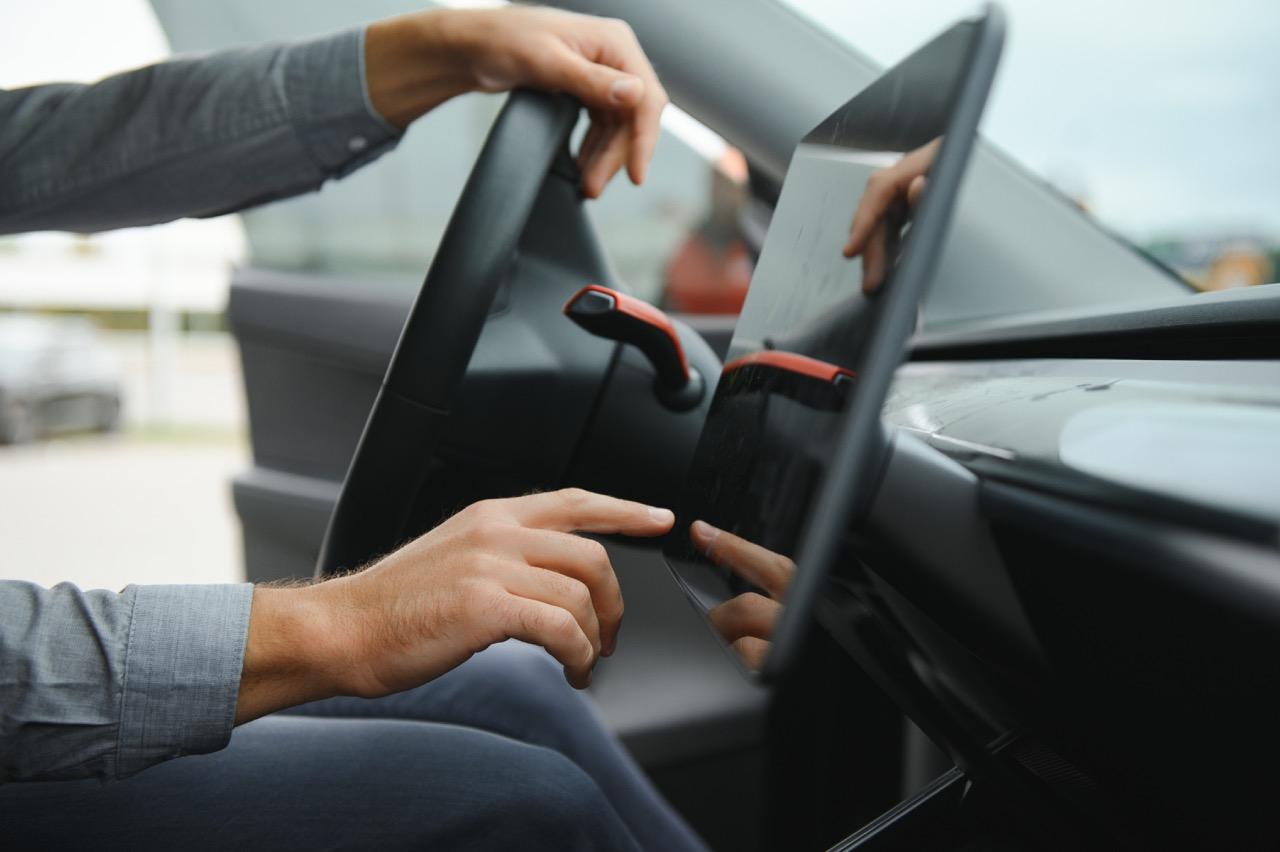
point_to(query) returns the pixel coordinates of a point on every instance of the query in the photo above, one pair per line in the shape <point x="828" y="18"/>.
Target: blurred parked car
<point x="55" y="376"/>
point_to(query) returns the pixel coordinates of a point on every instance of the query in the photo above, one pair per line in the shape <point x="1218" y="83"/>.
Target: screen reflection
<point x="793" y="364"/>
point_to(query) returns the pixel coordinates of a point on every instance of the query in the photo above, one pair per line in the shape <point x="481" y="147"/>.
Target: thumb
<point x="597" y="86"/>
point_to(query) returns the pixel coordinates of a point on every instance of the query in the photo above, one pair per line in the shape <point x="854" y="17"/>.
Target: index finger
<point x="755" y="564"/>
<point x="882" y="188"/>
<point x="584" y="560"/>
<point x="577" y="510"/>
<point x="646" y="129"/>
<point x="646" y="115"/>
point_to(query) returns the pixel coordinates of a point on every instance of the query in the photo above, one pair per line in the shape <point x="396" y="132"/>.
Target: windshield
<point x="1156" y="119"/>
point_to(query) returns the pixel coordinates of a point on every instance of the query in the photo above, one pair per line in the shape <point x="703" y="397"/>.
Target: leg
<point x="518" y="691"/>
<point x="310" y="783"/>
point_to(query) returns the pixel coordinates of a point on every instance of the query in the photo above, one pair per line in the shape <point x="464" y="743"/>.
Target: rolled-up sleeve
<point x="194" y="136"/>
<point x="105" y="684"/>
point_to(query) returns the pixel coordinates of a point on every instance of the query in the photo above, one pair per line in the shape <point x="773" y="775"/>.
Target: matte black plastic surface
<point x="1242" y="323"/>
<point x="428" y="366"/>
<point x="478" y="247"/>
<point x="636" y="446"/>
<point x="1161" y="689"/>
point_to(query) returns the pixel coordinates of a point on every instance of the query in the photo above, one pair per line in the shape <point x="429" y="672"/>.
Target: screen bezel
<point x="863" y="443"/>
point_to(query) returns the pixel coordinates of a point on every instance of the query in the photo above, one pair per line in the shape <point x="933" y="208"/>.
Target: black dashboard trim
<point x="1229" y="324"/>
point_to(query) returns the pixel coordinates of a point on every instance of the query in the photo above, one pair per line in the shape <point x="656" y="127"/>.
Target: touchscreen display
<point x="793" y="366"/>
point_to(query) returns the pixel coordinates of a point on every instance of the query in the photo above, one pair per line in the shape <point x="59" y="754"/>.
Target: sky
<point x="1163" y="115"/>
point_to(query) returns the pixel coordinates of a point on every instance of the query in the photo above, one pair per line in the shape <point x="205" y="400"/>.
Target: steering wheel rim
<point x="440" y="334"/>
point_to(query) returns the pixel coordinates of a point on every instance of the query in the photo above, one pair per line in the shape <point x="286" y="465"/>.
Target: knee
<point x="523" y="664"/>
<point x="553" y="804"/>
<point x="526" y="678"/>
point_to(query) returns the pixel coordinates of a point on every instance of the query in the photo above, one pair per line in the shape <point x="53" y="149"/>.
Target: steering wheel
<point x="426" y="371"/>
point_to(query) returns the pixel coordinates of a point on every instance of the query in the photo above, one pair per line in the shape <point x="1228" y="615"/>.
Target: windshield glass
<point x="1157" y="119"/>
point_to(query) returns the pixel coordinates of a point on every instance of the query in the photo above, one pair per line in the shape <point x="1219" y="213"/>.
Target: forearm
<point x="215" y="134"/>
<point x="415" y="62"/>
<point x="190" y="137"/>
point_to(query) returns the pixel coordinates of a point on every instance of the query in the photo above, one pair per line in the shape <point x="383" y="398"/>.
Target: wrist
<point x="416" y="62"/>
<point x="292" y="654"/>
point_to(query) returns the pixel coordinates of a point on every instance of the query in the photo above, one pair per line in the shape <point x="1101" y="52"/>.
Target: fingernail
<point x="706" y="532"/>
<point x="662" y="516"/>
<point x="624" y="90"/>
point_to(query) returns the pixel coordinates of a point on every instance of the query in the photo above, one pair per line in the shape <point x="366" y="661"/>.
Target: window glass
<point x="1156" y="118"/>
<point x="383" y="223"/>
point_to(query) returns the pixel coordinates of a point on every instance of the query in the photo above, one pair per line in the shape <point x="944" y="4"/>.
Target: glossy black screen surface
<point x="804" y="346"/>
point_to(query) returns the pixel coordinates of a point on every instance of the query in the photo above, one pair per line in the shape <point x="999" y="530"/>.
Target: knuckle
<point x="579" y="594"/>
<point x="486" y="530"/>
<point x="484" y="596"/>
<point x="558" y="585"/>
<point x="529" y="57"/>
<point x="595" y="553"/>
<point x="563" y="625"/>
<point x="574" y="496"/>
<point x="480" y="509"/>
<point x="528" y="621"/>
<point x="486" y="608"/>
<point x="553" y="627"/>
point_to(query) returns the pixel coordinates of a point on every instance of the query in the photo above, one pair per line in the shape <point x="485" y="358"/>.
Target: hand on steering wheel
<point x="415" y="62"/>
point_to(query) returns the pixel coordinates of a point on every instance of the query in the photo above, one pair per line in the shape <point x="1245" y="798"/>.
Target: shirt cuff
<point x="182" y="670"/>
<point x="328" y="101"/>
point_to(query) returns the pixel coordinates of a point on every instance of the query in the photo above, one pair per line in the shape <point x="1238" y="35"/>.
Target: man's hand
<point x="415" y="62"/>
<point x="499" y="569"/>
<point x="746" y="621"/>
<point x="887" y="188"/>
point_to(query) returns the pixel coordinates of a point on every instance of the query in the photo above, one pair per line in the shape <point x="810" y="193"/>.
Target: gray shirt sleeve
<point x="195" y="136"/>
<point x="105" y="684"/>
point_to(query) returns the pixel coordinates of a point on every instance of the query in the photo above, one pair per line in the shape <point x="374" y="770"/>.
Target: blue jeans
<point x="499" y="753"/>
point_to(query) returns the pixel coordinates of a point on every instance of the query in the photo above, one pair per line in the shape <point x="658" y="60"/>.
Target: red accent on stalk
<point x="639" y="310"/>
<point x="791" y="363"/>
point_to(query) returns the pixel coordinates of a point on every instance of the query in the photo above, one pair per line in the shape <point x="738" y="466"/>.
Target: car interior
<point x="1040" y="614"/>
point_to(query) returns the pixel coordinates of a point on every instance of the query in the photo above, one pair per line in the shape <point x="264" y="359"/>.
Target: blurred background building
<point x="1221" y="262"/>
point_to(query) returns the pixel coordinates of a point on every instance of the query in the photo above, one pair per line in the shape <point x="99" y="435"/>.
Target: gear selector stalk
<point x="617" y="316"/>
